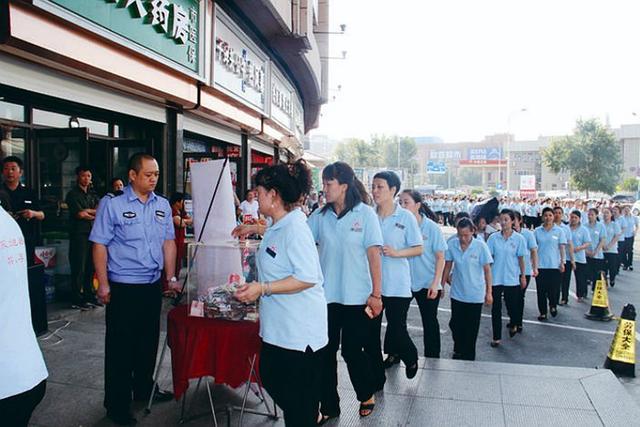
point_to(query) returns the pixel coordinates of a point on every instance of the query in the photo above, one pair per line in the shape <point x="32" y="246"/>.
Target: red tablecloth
<point x="210" y="347"/>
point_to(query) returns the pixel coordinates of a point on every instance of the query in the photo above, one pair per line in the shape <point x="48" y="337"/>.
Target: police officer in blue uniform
<point x="133" y="240"/>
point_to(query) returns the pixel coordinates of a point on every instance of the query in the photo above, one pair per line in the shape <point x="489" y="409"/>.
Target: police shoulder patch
<point x="129" y="214"/>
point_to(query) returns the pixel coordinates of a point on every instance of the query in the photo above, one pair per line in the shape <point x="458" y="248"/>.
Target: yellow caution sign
<point x="623" y="347"/>
<point x="600" y="295"/>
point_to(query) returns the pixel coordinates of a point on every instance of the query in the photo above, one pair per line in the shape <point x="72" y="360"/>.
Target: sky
<point x="464" y="69"/>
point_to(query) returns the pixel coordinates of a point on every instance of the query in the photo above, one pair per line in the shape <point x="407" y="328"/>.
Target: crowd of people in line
<point x="329" y="267"/>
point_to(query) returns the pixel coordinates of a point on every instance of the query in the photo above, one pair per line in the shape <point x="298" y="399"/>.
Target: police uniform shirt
<point x="549" y="246"/>
<point x="531" y="243"/>
<point x="292" y="321"/>
<point x="399" y="231"/>
<point x="423" y="267"/>
<point x="24" y="198"/>
<point x="134" y="234"/>
<point x="579" y="237"/>
<point x="77" y="200"/>
<point x="505" y="269"/>
<point x="597" y="233"/>
<point x="468" y="281"/>
<point x="611" y="230"/>
<point x="342" y="246"/>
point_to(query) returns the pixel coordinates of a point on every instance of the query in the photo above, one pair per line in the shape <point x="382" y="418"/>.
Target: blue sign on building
<point x="436" y="167"/>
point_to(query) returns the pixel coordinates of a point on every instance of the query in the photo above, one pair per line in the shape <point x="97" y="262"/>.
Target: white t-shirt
<point x="250" y="208"/>
<point x="21" y="364"/>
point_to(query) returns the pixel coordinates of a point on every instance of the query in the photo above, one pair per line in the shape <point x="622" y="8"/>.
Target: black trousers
<point x="15" y="411"/>
<point x="611" y="266"/>
<point x="595" y="267"/>
<point x="430" y="326"/>
<point x="512" y="300"/>
<point x="565" y="280"/>
<point x="293" y="380"/>
<point x="349" y="328"/>
<point x="131" y="344"/>
<point x="529" y="222"/>
<point x="396" y="339"/>
<point x="628" y="252"/>
<point x="464" y="324"/>
<point x="373" y="348"/>
<point x="81" y="264"/>
<point x="581" y="275"/>
<point x="548" y="288"/>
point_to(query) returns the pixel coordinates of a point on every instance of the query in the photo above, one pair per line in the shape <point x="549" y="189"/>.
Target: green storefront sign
<point x="167" y="30"/>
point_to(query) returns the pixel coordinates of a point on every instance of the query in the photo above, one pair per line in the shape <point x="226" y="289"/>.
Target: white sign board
<point x="527" y="182"/>
<point x="240" y="68"/>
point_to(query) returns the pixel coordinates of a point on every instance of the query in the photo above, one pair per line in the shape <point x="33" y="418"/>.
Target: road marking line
<point x="531" y="322"/>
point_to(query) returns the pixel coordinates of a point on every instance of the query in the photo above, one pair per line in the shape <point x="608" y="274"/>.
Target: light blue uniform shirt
<point x="530" y="239"/>
<point x="611" y="229"/>
<point x="134" y="234"/>
<point x="399" y="231"/>
<point x="342" y="244"/>
<point x="467" y="282"/>
<point x="505" y="252"/>
<point x="549" y="246"/>
<point x="597" y="232"/>
<point x="631" y="223"/>
<point x="622" y="223"/>
<point x="292" y="321"/>
<point x="579" y="237"/>
<point x="423" y="267"/>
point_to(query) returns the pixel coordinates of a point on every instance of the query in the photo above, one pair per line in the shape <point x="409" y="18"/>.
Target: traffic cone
<point x="622" y="353"/>
<point x="600" y="302"/>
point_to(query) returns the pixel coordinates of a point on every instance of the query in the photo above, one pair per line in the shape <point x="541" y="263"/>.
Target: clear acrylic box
<point x="214" y="272"/>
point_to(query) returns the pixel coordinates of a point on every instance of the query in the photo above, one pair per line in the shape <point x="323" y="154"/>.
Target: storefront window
<point x="11" y="111"/>
<point x="12" y="142"/>
<point x="56" y="120"/>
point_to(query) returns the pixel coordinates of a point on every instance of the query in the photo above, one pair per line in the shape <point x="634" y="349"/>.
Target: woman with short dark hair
<point x="468" y="261"/>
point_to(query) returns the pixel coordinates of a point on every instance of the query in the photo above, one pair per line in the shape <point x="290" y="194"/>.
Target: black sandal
<point x="366" y="407"/>
<point x="542" y="317"/>
<point x="513" y="331"/>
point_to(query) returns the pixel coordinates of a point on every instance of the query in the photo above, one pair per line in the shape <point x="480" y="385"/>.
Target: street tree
<point x="357" y="152"/>
<point x="591" y="156"/>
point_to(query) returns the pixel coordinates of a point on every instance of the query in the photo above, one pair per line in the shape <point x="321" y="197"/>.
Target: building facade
<point x="93" y="82"/>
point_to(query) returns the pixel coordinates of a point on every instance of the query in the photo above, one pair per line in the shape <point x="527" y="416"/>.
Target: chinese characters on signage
<point x="238" y="62"/>
<point x="281" y="95"/>
<point x="169" y="18"/>
<point x="445" y="154"/>
<point x="240" y="68"/>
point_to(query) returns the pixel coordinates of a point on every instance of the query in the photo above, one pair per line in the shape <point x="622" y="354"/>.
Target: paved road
<point x="567" y="340"/>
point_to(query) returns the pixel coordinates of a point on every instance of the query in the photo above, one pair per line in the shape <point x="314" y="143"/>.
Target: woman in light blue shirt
<point x="530" y="261"/>
<point x="595" y="257"/>
<point x="629" y="238"/>
<point x="347" y="233"/>
<point x="426" y="271"/>
<point x="470" y="261"/>
<point x="611" y="256"/>
<point x="507" y="249"/>
<point x="402" y="240"/>
<point x="581" y="242"/>
<point x="551" y="241"/>
<point x="293" y="309"/>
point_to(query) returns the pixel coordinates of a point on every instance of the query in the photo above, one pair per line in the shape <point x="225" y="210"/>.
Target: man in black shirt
<point x="82" y="203"/>
<point x="24" y="204"/>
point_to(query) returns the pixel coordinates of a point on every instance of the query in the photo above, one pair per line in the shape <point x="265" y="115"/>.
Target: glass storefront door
<point x="59" y="152"/>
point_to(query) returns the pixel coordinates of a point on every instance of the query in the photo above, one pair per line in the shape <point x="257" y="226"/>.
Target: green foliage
<point x="629" y="185"/>
<point x="476" y="191"/>
<point x="381" y="151"/>
<point x="470" y="176"/>
<point x="494" y="193"/>
<point x="591" y="156"/>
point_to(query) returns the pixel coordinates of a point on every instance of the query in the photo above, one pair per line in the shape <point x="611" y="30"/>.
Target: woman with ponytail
<point x="293" y="309"/>
<point x="349" y="238"/>
<point x="426" y="270"/>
